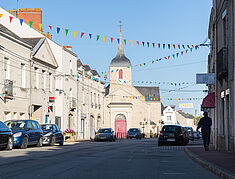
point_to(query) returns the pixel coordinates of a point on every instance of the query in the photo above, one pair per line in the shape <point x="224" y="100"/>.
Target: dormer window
<point x="120" y="74"/>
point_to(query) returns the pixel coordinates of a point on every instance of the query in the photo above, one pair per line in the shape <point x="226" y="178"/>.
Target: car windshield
<point x="133" y="130"/>
<point x="16" y="124"/>
<point x="170" y="129"/>
<point x="104" y="131"/>
<point x="47" y="127"/>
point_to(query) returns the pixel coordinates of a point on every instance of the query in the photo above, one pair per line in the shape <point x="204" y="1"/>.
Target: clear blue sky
<point x="168" y="21"/>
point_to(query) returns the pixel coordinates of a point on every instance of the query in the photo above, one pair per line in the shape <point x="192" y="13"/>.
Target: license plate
<point x="171" y="140"/>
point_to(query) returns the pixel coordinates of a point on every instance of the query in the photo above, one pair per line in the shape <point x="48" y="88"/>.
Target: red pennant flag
<point x="174" y="45"/>
<point x="138" y="42"/>
<point x="111" y="39"/>
<point x="50" y="27"/>
<point x="179" y="46"/>
<point x="153" y="45"/>
<point x="82" y="34"/>
<point x="165" y="58"/>
<point x="159" y="45"/>
<point x="10" y="18"/>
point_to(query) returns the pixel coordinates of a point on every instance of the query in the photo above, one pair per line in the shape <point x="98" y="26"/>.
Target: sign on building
<point x="205" y="78"/>
<point x="185" y="105"/>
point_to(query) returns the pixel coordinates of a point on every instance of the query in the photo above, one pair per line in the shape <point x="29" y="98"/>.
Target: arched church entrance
<point x="120" y="125"/>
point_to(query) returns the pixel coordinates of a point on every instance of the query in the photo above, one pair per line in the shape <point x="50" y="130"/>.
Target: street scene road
<point x="121" y="159"/>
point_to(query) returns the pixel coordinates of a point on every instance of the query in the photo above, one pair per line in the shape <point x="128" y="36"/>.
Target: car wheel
<point x="24" y="143"/>
<point x="52" y="141"/>
<point x="10" y="143"/>
<point x="62" y="142"/>
<point x="39" y="142"/>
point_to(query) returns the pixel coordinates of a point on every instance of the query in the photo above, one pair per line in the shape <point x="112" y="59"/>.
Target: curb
<point x="209" y="166"/>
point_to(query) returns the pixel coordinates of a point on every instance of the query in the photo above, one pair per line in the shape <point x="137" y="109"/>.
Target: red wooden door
<point x="120" y="128"/>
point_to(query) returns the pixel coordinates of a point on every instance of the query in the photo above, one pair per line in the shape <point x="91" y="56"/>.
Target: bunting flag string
<point x="154" y="97"/>
<point x="144" y="44"/>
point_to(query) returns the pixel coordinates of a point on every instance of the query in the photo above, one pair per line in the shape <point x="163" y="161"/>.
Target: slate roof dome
<point x="120" y="60"/>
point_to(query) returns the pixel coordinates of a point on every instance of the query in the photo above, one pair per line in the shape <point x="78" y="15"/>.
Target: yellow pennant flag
<point x="131" y="42"/>
<point x="87" y="78"/>
<point x="1" y="15"/>
<point x="40" y="27"/>
<point x="74" y="33"/>
<point x="169" y="57"/>
<point x="140" y="64"/>
<point x="187" y="51"/>
<point x="104" y="38"/>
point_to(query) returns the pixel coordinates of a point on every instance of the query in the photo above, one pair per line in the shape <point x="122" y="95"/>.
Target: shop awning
<point x="209" y="101"/>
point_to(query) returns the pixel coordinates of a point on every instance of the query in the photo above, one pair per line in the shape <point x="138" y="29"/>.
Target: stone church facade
<point x="127" y="106"/>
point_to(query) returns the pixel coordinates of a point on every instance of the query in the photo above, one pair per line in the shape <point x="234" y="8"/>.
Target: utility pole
<point x="17" y="9"/>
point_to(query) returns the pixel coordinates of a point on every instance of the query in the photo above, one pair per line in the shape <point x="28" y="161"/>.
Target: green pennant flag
<point x="30" y="23"/>
<point x="153" y="61"/>
<point x="125" y="42"/>
<point x="169" y="46"/>
<point x="128" y="66"/>
<point x="144" y="63"/>
<point x="66" y="31"/>
<point x="173" y="55"/>
<point x="191" y="49"/>
<point x="98" y="36"/>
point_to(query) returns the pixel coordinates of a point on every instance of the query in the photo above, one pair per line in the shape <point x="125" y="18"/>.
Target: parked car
<point x="106" y="134"/>
<point x="52" y="134"/>
<point x="196" y="135"/>
<point x="25" y="132"/>
<point x="190" y="131"/>
<point x="6" y="137"/>
<point x="134" y="133"/>
<point x="173" y="134"/>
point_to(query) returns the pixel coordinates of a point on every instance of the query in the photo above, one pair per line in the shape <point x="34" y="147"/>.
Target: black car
<point x="173" y="134"/>
<point x="52" y="134"/>
<point x="134" y="133"/>
<point x="6" y="137"/>
<point x="106" y="134"/>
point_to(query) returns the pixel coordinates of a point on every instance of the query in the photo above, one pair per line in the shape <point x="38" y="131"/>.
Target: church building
<point x="127" y="106"/>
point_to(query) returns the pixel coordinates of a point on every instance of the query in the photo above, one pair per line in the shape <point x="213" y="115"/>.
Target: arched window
<point x="120" y="74"/>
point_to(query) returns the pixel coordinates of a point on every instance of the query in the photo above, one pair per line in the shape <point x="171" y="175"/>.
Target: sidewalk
<point x="220" y="163"/>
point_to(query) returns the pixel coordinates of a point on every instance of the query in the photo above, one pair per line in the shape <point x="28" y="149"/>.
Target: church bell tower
<point x="120" y="68"/>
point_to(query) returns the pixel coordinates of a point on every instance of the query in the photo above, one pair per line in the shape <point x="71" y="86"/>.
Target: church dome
<point x="120" y="60"/>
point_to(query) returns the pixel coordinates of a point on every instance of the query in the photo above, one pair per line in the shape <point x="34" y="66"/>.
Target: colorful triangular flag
<point x="98" y="36"/>
<point x="90" y="35"/>
<point x="30" y="23"/>
<point x="82" y="34"/>
<point x="66" y="31"/>
<point x="21" y="21"/>
<point x="10" y="18"/>
<point x="74" y="33"/>
<point x="58" y="30"/>
<point x="111" y="39"/>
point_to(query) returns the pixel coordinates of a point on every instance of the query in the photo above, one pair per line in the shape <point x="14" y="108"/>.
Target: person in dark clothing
<point x="205" y="125"/>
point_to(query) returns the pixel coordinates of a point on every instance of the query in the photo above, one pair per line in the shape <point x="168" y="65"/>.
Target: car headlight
<point x="48" y="134"/>
<point x="18" y="134"/>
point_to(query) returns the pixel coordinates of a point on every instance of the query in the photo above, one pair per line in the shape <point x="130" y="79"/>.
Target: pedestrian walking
<point x="205" y="125"/>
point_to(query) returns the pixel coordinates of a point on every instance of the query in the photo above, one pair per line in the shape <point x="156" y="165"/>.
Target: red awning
<point x="209" y="101"/>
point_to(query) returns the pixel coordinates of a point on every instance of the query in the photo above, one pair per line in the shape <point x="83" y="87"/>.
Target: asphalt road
<point x="138" y="159"/>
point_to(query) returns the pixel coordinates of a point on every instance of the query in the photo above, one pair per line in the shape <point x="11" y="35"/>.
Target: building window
<point x="6" y="68"/>
<point x="23" y="76"/>
<point x="222" y="117"/>
<point x="71" y="67"/>
<point x="168" y="118"/>
<point x="95" y="98"/>
<point x="224" y="30"/>
<point x="36" y="77"/>
<point x="83" y="96"/>
<point x="91" y="100"/>
<point x="98" y="98"/>
<point x="50" y="82"/>
<point x="44" y="78"/>
<point x="120" y="74"/>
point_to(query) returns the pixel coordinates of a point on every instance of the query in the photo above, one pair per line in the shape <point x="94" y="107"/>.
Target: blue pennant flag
<point x="177" y="54"/>
<point x="58" y="30"/>
<point x="118" y="40"/>
<point x="90" y="35"/>
<point x="143" y="44"/>
<point x="21" y="21"/>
